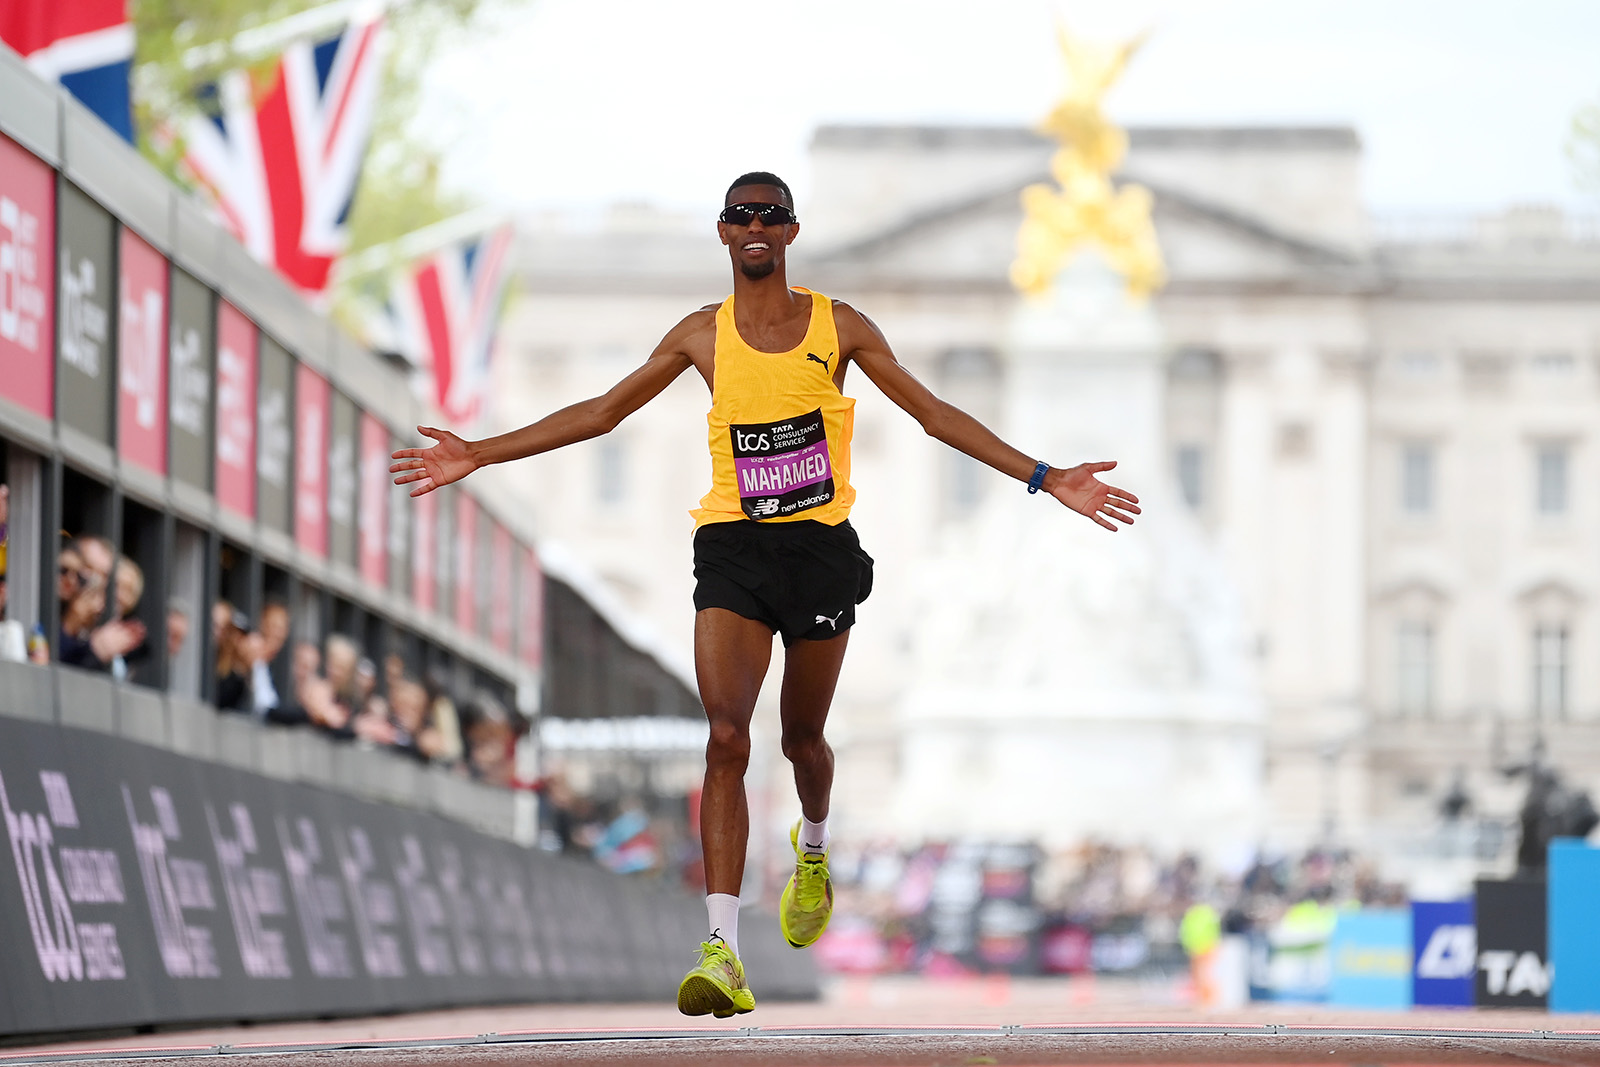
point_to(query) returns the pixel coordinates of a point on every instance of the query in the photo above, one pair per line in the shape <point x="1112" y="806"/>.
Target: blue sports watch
<point x="1037" y="481"/>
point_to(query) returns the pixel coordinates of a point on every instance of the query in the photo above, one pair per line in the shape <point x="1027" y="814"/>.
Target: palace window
<point x="1190" y="462"/>
<point x="1414" y="663"/>
<point x="1551" y="462"/>
<point x="966" y="482"/>
<point x="1554" y="364"/>
<point x="1551" y="648"/>
<point x="1418" y="364"/>
<point x="970" y="379"/>
<point x="611" y="487"/>
<point x="1416" y="478"/>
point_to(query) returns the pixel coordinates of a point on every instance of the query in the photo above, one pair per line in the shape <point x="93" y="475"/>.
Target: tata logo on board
<point x="1512" y="974"/>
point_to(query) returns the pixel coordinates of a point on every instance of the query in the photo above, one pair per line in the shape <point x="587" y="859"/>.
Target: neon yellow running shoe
<point x="807" y="901"/>
<point x="716" y="986"/>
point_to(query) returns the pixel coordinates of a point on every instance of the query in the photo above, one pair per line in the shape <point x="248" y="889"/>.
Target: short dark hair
<point x="761" y="177"/>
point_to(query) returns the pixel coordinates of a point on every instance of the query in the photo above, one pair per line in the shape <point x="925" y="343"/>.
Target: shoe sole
<point x="807" y="944"/>
<point x="700" y="995"/>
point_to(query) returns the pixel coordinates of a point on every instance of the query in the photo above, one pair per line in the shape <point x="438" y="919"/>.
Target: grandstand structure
<point x="164" y="391"/>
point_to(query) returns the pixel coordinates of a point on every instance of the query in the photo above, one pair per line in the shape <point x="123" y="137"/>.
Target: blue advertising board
<point x="1371" y="959"/>
<point x="1445" y="938"/>
<point x="1574" y="926"/>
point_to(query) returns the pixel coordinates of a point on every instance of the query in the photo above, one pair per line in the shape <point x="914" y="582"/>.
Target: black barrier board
<point x="1513" y="961"/>
<point x="142" y="887"/>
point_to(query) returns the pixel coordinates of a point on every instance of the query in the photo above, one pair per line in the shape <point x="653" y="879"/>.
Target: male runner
<point x="773" y="550"/>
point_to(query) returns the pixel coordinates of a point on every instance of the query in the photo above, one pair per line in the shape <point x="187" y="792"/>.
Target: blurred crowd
<point x="1096" y="907"/>
<point x="633" y="833"/>
<point x="337" y="689"/>
<point x="334" y="687"/>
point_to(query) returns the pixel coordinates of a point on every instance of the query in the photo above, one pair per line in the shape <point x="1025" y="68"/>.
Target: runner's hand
<point x="443" y="463"/>
<point x="1079" y="489"/>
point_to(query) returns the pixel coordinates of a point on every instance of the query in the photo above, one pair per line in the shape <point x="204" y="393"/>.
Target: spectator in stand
<point x="99" y="556"/>
<point x="231" y="629"/>
<point x="394" y="672"/>
<point x="290" y="709"/>
<point x="373" y="721"/>
<point x="70" y="571"/>
<point x="97" y="553"/>
<point x="71" y="577"/>
<point x="317" y="697"/>
<point x="130" y="590"/>
<point x="442" y="713"/>
<point x="69" y="574"/>
<point x="82" y="559"/>
<point x="571" y="818"/>
<point x="408" y="718"/>
<point x="274" y="629"/>
<point x="491" y="740"/>
<point x="367" y="697"/>
<point x="177" y="626"/>
<point x="340" y="656"/>
<point x="130" y="586"/>
<point x="270" y="637"/>
<point x="79" y="612"/>
<point x="415" y="732"/>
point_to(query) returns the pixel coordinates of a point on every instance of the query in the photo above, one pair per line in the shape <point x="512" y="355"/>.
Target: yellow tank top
<point x="779" y="429"/>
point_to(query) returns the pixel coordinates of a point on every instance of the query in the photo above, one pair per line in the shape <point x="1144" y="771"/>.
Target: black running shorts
<point x="802" y="579"/>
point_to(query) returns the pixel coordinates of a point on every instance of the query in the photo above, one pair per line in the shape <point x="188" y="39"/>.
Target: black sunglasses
<point x="770" y="214"/>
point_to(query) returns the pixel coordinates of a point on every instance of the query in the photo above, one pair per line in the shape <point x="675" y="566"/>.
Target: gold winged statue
<point x="1087" y="208"/>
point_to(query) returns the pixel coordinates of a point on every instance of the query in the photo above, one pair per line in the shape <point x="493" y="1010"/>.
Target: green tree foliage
<point x="185" y="44"/>
<point x="1583" y="146"/>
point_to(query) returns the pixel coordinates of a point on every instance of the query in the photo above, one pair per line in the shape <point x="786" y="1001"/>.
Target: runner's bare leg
<point x="810" y="673"/>
<point x="731" y="656"/>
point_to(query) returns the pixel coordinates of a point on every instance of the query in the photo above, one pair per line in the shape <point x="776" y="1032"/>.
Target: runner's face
<point x="756" y="248"/>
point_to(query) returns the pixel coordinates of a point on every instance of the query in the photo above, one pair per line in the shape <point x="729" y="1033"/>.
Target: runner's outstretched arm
<point x="1076" y="487"/>
<point x="453" y="458"/>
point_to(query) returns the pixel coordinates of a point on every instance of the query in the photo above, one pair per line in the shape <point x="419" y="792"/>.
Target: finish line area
<point x="842" y="1046"/>
<point x="869" y="1022"/>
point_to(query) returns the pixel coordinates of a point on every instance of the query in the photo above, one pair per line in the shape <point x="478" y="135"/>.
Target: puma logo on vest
<point x="819" y="359"/>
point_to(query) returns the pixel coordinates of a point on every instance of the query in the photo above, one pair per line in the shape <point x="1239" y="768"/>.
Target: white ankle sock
<point x="723" y="911"/>
<point x="813" y="835"/>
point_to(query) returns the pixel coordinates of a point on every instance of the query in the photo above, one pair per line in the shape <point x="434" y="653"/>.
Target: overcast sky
<point x="574" y="104"/>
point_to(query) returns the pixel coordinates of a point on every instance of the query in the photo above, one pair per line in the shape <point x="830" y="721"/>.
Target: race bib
<point x="782" y="467"/>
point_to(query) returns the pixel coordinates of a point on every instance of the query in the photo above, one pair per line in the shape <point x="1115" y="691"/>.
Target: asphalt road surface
<point x="859" y="1023"/>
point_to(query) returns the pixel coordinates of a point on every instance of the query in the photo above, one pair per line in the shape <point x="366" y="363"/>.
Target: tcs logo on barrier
<point x="67" y="950"/>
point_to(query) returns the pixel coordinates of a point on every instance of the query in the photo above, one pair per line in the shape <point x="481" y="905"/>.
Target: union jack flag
<point x="86" y="45"/>
<point x="446" y="307"/>
<point x="282" y="156"/>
